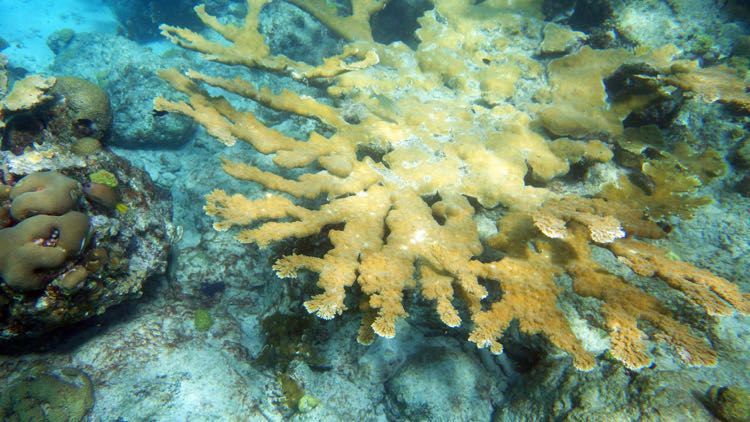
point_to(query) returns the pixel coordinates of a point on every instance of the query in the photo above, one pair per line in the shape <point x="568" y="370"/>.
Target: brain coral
<point x="48" y="233"/>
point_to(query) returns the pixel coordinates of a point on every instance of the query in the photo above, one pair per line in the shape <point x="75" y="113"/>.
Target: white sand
<point x="26" y="24"/>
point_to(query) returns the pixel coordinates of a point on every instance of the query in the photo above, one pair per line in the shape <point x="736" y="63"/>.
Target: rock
<point x="127" y="72"/>
<point x="125" y="247"/>
<point x="730" y="404"/>
<point x="60" y="39"/>
<point x="464" y="395"/>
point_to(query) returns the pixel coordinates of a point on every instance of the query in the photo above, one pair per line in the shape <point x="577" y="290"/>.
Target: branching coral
<point x="353" y="27"/>
<point x="435" y="129"/>
<point x="248" y="48"/>
<point x="568" y="249"/>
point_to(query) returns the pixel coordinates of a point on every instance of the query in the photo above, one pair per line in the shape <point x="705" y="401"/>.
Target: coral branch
<point x="246" y="46"/>
<point x="351" y="28"/>
<point x="530" y="296"/>
<point x="715" y="294"/>
<point x="416" y="142"/>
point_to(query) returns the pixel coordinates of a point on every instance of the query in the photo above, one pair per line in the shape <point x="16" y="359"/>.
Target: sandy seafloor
<point x="148" y="362"/>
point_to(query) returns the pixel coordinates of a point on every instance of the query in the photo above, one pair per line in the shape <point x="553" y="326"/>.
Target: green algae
<point x="202" y="320"/>
<point x="730" y="404"/>
<point x="103" y="177"/>
<point x="293" y="392"/>
<point x="289" y="337"/>
<point x="307" y="403"/>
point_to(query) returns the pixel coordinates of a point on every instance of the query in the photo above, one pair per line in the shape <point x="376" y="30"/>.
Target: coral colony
<point x="422" y="142"/>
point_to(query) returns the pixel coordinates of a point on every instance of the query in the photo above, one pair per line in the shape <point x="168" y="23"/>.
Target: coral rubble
<point x="421" y="140"/>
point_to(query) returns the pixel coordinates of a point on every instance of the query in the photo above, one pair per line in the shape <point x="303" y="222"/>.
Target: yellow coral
<point x="717" y="83"/>
<point x="578" y="104"/>
<point x="248" y="48"/>
<point x="353" y="27"/>
<point x="559" y="39"/>
<point x="715" y="294"/>
<point x="529" y="296"/>
<point x="623" y="306"/>
<point x="551" y="220"/>
<point x="28" y="93"/>
<point x="436" y="130"/>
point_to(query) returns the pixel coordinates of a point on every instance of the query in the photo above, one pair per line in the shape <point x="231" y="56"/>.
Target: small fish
<point x="101" y="194"/>
<point x="387" y="109"/>
<point x="388" y="104"/>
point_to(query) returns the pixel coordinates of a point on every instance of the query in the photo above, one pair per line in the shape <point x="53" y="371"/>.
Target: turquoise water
<point x="437" y="210"/>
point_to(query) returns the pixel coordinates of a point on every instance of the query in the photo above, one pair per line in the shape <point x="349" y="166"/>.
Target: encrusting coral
<point x="435" y="127"/>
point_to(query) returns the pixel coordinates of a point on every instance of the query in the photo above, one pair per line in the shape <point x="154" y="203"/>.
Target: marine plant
<point x="729" y="403"/>
<point x="202" y="320"/>
<point x="425" y="144"/>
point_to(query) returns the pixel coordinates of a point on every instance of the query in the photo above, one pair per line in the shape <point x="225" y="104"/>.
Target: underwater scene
<point x="375" y="210"/>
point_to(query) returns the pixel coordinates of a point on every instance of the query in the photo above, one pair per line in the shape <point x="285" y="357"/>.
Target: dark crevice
<point x="398" y="21"/>
<point x="581" y="15"/>
<point x="494" y="292"/>
<point x="375" y="152"/>
<point x="319" y="244"/>
<point x="431" y="200"/>
<point x="530" y="179"/>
